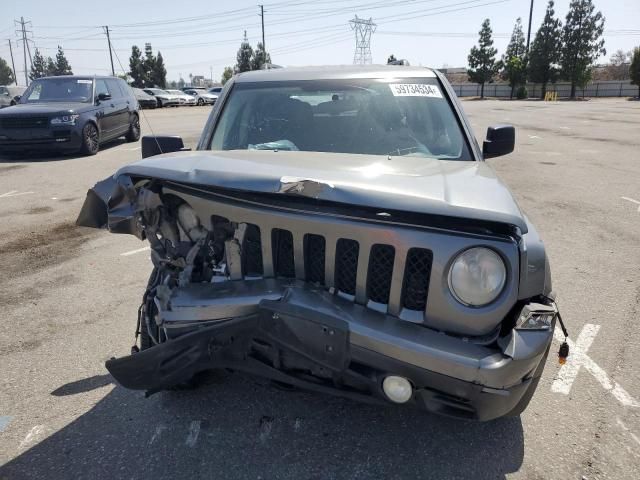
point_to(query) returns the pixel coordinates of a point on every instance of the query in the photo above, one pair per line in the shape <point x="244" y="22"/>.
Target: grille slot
<point x="380" y="271"/>
<point x="416" y="279"/>
<point x="24" y="122"/>
<point x="314" y="258"/>
<point x="282" y="250"/>
<point x="346" y="271"/>
<point x="252" y="252"/>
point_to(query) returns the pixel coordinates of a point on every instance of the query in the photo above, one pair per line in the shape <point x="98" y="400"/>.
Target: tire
<point x="90" y="140"/>
<point x="200" y="102"/>
<point x="133" y="135"/>
<point x="159" y="103"/>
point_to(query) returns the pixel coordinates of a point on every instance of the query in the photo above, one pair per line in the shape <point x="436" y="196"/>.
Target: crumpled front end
<point x="318" y="299"/>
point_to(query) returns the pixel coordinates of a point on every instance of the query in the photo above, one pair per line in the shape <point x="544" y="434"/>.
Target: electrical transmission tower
<point x="363" y="30"/>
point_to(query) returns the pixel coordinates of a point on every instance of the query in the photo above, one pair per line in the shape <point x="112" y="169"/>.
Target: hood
<point x="463" y="189"/>
<point x="48" y="108"/>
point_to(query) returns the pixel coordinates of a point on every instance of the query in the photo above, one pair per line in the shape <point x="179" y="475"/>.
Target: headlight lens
<point x="477" y="276"/>
<point x="64" y="120"/>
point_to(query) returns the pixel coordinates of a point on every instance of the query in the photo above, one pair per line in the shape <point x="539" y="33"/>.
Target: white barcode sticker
<point x="414" y="90"/>
<point x="84" y="81"/>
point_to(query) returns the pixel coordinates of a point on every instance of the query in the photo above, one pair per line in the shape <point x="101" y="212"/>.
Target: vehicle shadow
<point x="236" y="426"/>
<point x="54" y="156"/>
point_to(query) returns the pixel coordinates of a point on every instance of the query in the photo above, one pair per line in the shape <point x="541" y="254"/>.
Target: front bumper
<point x="297" y="334"/>
<point x="55" y="139"/>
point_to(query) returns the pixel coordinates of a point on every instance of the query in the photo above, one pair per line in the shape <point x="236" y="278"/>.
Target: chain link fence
<point x="595" y="89"/>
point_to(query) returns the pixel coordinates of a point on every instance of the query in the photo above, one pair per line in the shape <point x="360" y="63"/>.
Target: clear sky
<point x="203" y="37"/>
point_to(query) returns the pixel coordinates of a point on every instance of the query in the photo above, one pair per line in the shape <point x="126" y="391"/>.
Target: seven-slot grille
<point x="24" y="122"/>
<point x="379" y="274"/>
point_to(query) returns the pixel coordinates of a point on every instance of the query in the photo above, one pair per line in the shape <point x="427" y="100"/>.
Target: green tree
<point x="260" y="57"/>
<point x="159" y="72"/>
<point x="513" y="60"/>
<point x="226" y="75"/>
<point x="243" y="58"/>
<point x="149" y="64"/>
<point x="582" y="42"/>
<point x="51" y="66"/>
<point x="136" y="68"/>
<point x="482" y="58"/>
<point x="39" y="66"/>
<point x="634" y="70"/>
<point x="6" y="74"/>
<point x="544" y="55"/>
<point x="62" y="66"/>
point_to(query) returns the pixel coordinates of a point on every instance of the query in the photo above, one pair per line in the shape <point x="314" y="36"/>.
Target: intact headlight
<point x="64" y="120"/>
<point x="477" y="276"/>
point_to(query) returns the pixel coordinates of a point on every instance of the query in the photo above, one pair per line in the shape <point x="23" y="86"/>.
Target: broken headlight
<point x="536" y="316"/>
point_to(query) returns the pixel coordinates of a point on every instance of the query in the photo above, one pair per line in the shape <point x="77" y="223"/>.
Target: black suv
<point x="70" y="114"/>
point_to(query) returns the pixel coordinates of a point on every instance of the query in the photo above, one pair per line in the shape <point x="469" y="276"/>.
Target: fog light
<point x="397" y="389"/>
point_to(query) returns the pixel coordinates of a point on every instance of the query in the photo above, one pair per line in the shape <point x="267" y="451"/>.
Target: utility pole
<point x="529" y="29"/>
<point x="363" y="30"/>
<point x="106" y="29"/>
<point x="23" y="31"/>
<point x="13" y="64"/>
<point x="264" y="47"/>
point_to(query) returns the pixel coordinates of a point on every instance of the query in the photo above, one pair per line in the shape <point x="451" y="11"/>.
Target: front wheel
<point x="90" y="140"/>
<point x="200" y="102"/>
<point x="133" y="135"/>
<point x="160" y="103"/>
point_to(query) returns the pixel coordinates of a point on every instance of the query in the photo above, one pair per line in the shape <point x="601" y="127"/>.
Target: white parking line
<point x="133" y="252"/>
<point x="578" y="358"/>
<point x="534" y="136"/>
<point x="33" y="436"/>
<point x="194" y="432"/>
<point x="159" y="429"/>
<point x="626" y="429"/>
<point x="4" y="422"/>
<point x="13" y="193"/>
<point x="632" y="201"/>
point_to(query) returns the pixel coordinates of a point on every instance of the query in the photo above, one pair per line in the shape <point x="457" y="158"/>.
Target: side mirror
<point x="17" y="98"/>
<point x="155" y="145"/>
<point x="103" y="96"/>
<point x="501" y="140"/>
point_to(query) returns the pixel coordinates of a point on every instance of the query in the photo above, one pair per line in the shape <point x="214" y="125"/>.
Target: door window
<point x="101" y="87"/>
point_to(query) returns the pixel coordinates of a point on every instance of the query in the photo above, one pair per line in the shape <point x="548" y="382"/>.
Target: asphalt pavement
<point x="69" y="296"/>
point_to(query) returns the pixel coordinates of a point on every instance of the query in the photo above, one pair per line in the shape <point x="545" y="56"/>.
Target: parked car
<point x="164" y="98"/>
<point x="338" y="231"/>
<point x="70" y="114"/>
<point x="144" y="99"/>
<point x="9" y="95"/>
<point x="215" y="91"/>
<point x="202" y="96"/>
<point x="183" y="98"/>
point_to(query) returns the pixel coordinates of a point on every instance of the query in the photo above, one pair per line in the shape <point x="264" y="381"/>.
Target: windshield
<point x="175" y="92"/>
<point x="157" y="91"/>
<point x="375" y="117"/>
<point x="59" y="89"/>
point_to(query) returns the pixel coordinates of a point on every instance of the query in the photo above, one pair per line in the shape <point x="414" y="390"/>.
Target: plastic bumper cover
<point x="335" y="338"/>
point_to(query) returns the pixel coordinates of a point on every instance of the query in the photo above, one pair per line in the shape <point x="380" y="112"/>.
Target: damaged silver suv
<point x="336" y="230"/>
